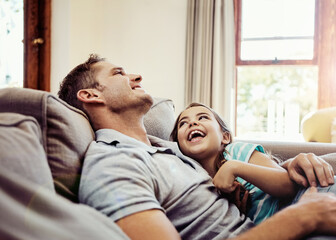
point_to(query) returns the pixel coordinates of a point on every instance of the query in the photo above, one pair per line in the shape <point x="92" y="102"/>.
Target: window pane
<point x="11" y="46"/>
<point x="270" y="26"/>
<point x="278" y="49"/>
<point x="271" y="101"/>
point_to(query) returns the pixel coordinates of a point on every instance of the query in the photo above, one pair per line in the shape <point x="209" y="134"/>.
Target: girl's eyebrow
<point x="182" y="118"/>
<point x="198" y="114"/>
<point x="201" y="113"/>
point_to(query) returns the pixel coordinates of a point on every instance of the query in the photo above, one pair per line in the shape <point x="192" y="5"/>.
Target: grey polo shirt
<point x="122" y="176"/>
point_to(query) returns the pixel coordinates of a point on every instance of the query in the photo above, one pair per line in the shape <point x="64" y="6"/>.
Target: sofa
<point x="43" y="141"/>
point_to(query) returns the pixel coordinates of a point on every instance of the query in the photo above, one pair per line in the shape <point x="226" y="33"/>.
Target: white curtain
<point x="210" y="56"/>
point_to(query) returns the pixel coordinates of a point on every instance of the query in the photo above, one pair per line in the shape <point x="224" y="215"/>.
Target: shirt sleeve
<point x="242" y="151"/>
<point x="117" y="183"/>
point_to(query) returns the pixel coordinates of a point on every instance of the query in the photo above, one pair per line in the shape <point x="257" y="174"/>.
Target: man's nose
<point x="135" y="77"/>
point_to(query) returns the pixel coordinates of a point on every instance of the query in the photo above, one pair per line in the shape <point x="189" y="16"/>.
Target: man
<point x="152" y="191"/>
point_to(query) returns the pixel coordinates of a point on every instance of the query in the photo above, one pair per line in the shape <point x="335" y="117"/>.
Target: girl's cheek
<point x="179" y="137"/>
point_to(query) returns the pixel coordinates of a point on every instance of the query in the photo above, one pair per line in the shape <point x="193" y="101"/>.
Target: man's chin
<point x="150" y="99"/>
<point x="147" y="102"/>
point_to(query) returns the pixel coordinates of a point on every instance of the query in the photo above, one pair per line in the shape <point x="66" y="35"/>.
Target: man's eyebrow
<point x="117" y="69"/>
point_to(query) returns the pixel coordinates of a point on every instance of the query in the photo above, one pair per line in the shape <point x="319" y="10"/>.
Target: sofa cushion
<point x="160" y="119"/>
<point x="66" y="133"/>
<point x="22" y="151"/>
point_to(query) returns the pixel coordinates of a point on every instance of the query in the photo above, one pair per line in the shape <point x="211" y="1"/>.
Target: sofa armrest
<point x="285" y="150"/>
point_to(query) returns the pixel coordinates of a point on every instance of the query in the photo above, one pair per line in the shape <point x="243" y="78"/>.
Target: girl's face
<point x="199" y="135"/>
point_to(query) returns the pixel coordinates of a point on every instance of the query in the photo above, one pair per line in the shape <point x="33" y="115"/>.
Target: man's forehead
<point x="106" y="66"/>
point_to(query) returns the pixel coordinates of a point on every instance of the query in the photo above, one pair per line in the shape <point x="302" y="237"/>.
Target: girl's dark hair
<point x="220" y="159"/>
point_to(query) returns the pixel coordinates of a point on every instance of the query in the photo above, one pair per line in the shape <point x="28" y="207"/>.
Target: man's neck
<point x="127" y="123"/>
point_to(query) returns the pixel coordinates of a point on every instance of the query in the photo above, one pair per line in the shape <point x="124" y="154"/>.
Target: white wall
<point x="143" y="36"/>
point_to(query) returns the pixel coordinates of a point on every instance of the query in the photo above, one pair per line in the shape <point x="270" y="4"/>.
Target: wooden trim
<point x="316" y="32"/>
<point x="327" y="54"/>
<point x="274" y="63"/>
<point x="237" y="17"/>
<point x="37" y="22"/>
<point x="30" y="51"/>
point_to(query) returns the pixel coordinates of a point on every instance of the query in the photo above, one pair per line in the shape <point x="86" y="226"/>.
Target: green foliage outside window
<point x="258" y="85"/>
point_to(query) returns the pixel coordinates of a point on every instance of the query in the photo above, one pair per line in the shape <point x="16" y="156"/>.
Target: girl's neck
<point x="210" y="166"/>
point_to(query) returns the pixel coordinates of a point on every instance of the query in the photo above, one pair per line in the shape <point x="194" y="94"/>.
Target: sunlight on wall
<point x="146" y="37"/>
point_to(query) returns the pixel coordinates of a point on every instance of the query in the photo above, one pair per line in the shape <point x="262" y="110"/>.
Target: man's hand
<point x="320" y="207"/>
<point x="307" y="168"/>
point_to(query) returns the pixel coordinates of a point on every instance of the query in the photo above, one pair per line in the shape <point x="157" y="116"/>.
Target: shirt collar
<point x="113" y="137"/>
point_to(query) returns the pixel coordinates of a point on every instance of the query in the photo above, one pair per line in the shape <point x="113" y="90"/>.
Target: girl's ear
<point x="90" y="95"/>
<point x="226" y="138"/>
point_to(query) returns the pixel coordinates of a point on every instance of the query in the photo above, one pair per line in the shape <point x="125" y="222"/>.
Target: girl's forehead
<point x="194" y="111"/>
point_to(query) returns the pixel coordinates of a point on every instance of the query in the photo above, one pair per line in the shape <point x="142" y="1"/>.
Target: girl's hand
<point x="225" y="177"/>
<point x="225" y="181"/>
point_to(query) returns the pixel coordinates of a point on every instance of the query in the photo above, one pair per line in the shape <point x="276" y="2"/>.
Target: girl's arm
<point x="261" y="171"/>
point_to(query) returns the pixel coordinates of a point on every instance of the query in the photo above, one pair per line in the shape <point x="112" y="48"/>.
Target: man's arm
<point x="307" y="168"/>
<point x="314" y="213"/>
<point x="150" y="224"/>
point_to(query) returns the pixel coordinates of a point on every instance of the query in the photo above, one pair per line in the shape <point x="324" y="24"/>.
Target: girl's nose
<point x="193" y="123"/>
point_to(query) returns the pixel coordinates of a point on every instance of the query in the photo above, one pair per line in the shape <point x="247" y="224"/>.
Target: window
<point x="11" y="46"/>
<point x="280" y="64"/>
<point x="277" y="30"/>
<point x="25" y="43"/>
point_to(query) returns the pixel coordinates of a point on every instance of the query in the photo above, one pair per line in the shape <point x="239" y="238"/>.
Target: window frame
<point x="37" y="44"/>
<point x="240" y="62"/>
<point x="324" y="50"/>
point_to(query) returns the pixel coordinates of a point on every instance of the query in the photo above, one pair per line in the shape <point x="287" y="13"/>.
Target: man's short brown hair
<point x="81" y="77"/>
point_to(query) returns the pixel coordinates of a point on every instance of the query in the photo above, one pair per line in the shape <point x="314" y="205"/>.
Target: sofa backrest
<point x="67" y="133"/>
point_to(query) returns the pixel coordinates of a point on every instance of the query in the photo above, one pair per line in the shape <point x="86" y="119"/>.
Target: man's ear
<point x="90" y="95"/>
<point x="226" y="137"/>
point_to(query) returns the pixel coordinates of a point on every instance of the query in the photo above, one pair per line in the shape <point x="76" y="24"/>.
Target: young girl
<point x="202" y="135"/>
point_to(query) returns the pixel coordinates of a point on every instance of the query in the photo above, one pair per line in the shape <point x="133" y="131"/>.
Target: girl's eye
<point x="203" y="117"/>
<point x="182" y="123"/>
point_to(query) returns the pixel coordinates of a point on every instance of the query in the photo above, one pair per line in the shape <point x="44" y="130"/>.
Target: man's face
<point x="121" y="91"/>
